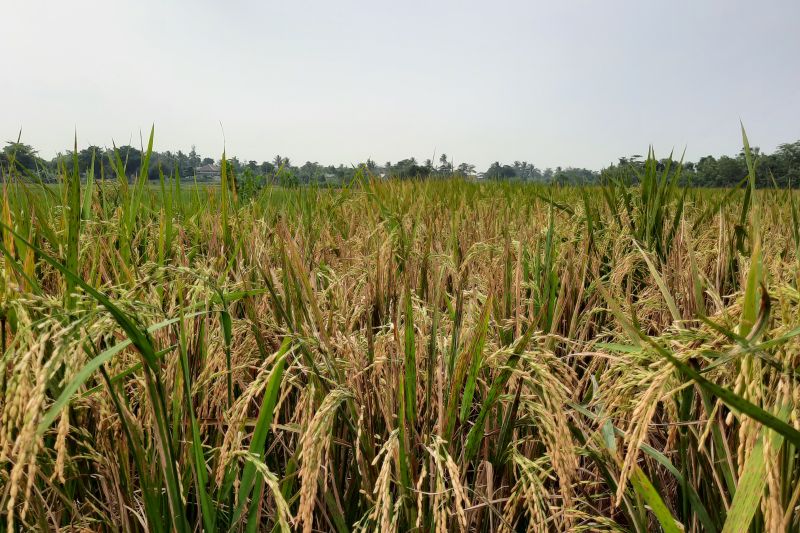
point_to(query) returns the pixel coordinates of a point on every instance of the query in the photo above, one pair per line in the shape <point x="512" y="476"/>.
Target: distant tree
<point x="310" y="173"/>
<point x="194" y="160"/>
<point x="286" y="177"/>
<point x="131" y="158"/>
<point x="780" y="168"/>
<point x="500" y="172"/>
<point x="465" y="169"/>
<point x="575" y="176"/>
<point x="706" y="169"/>
<point x="445" y="166"/>
<point x="281" y="161"/>
<point x="85" y="160"/>
<point x="730" y="170"/>
<point x="408" y="168"/>
<point x="788" y="163"/>
<point x="535" y="173"/>
<point x="182" y="163"/>
<point x="23" y="157"/>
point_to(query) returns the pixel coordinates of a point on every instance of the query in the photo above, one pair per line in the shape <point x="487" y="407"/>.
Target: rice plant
<point x="398" y="355"/>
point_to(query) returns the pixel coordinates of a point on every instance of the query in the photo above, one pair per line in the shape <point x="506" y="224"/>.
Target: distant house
<point x="207" y="172"/>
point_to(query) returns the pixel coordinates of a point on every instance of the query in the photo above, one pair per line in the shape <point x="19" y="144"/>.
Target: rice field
<point x="399" y="356"/>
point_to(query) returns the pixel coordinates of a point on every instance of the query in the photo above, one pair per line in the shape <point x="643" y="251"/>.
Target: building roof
<point x="207" y="168"/>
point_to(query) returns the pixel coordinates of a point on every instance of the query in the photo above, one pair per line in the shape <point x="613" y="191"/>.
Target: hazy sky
<point x="554" y="83"/>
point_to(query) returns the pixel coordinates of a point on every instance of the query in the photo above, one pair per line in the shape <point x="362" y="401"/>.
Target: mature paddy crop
<point x="399" y="355"/>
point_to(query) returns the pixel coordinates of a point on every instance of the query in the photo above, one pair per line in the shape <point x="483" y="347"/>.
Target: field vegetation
<point x="399" y="355"/>
<point x="780" y="168"/>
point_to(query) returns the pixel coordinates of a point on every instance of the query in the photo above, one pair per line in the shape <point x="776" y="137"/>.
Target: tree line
<point x="780" y="168"/>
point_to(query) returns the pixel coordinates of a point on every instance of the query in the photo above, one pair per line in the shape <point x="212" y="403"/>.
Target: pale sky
<point x="554" y="83"/>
